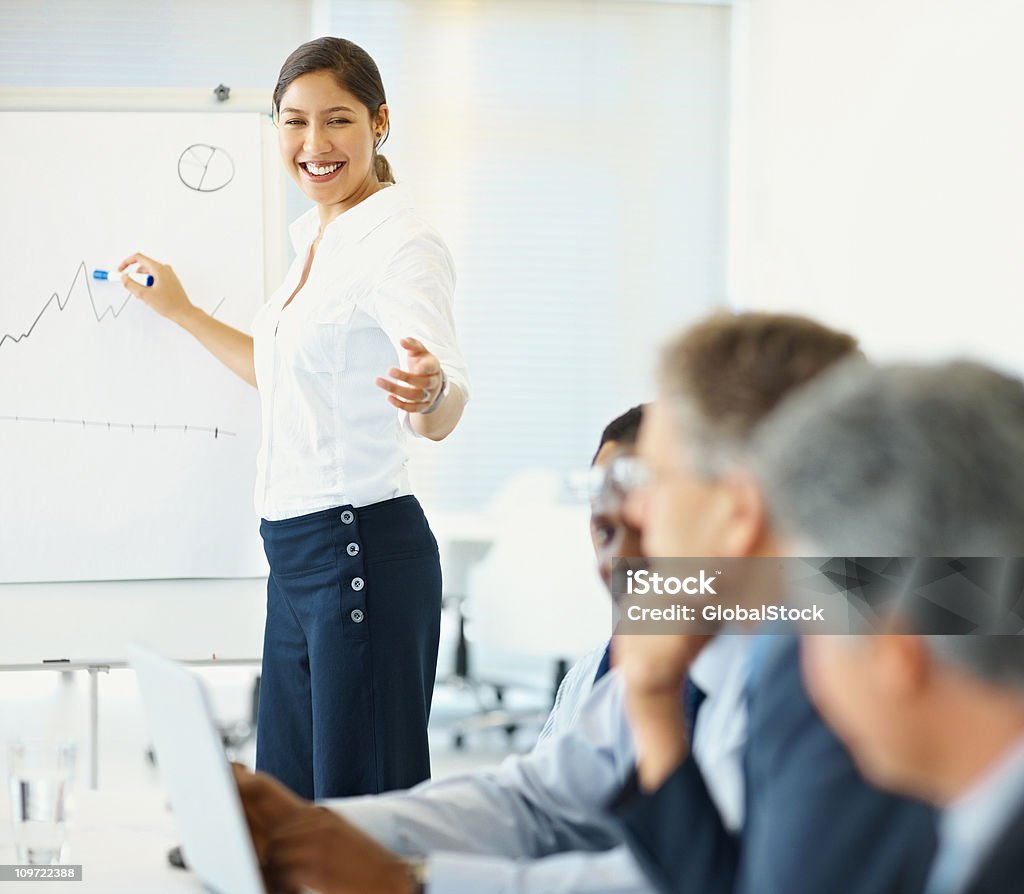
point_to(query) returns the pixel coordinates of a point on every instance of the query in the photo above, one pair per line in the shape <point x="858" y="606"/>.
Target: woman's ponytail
<point x="382" y="168"/>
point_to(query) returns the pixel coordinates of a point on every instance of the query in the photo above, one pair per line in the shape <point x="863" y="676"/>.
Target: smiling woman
<point x="354" y="594"/>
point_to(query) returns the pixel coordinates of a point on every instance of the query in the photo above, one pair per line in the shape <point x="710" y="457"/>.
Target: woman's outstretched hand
<point x="422" y="383"/>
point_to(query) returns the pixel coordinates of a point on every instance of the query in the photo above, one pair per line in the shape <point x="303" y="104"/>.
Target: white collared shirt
<point x="330" y="437"/>
<point x="971" y="825"/>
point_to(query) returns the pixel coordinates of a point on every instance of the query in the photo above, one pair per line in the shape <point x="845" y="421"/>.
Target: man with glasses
<point x="612" y="537"/>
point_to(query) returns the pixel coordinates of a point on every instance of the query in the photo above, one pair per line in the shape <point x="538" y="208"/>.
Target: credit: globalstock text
<point x="721" y="613"/>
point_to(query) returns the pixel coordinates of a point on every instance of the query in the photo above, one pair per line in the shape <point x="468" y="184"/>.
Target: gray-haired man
<point x="938" y="454"/>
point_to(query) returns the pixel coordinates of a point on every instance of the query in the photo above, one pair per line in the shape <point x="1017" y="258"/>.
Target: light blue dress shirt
<point x="971" y="825"/>
<point x="572" y="693"/>
<point x="537" y="823"/>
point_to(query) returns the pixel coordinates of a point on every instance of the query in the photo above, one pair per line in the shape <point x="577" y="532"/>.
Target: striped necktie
<point x="693" y="698"/>
<point x="606" y="662"/>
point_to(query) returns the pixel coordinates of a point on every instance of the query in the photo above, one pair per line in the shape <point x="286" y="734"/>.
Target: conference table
<point x="120" y="839"/>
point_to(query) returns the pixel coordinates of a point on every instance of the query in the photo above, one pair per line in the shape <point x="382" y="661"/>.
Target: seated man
<point x="612" y="538"/>
<point x="929" y="713"/>
<point x="812" y="824"/>
<point x="534" y="823"/>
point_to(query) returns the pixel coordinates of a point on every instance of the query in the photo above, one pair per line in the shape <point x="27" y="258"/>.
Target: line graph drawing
<point x="54" y="298"/>
<point x="205" y="168"/>
<point x="143" y="427"/>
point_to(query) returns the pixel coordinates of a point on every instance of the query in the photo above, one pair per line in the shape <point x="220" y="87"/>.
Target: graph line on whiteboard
<point x="55" y="299"/>
<point x="134" y="427"/>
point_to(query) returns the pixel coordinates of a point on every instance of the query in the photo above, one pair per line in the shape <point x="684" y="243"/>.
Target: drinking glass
<point x="41" y="775"/>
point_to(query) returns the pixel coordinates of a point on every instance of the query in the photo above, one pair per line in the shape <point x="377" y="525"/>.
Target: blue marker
<point x="145" y="279"/>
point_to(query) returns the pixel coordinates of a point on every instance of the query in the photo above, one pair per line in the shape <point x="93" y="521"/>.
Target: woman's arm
<point x="167" y="297"/>
<point x="230" y="346"/>
<point x="413" y="303"/>
<point x="441" y="423"/>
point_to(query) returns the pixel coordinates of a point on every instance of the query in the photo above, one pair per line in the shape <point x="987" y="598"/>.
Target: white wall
<point x="881" y="179"/>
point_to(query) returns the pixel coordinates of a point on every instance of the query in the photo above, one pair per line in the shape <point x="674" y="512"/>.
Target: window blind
<point x="572" y="154"/>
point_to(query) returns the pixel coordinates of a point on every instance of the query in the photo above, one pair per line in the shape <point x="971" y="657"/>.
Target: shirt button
<point x="352" y="549"/>
<point x="357" y="583"/>
<point x="357" y="615"/>
<point x="347" y="517"/>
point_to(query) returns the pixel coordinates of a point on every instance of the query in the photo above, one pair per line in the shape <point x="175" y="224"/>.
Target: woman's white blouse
<point x="329" y="435"/>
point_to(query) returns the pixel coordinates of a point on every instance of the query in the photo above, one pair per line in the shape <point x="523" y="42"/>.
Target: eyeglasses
<point x="618" y="478"/>
<point x="630" y="473"/>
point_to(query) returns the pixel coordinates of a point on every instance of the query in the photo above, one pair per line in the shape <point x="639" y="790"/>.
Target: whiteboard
<point x="126" y="450"/>
<point x="193" y="620"/>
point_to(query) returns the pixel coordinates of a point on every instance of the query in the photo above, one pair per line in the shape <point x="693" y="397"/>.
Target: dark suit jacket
<point x="1003" y="871"/>
<point x="812" y="826"/>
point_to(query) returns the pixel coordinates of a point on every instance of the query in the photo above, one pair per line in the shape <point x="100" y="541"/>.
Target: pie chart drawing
<point x="205" y="168"/>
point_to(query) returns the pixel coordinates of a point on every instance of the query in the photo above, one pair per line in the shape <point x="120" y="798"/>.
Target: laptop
<point x="196" y="775"/>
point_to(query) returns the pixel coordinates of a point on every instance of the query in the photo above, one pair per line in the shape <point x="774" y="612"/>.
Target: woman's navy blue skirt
<point x="350" y="650"/>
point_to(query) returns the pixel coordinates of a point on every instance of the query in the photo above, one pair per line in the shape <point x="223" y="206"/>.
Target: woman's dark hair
<point x="353" y="69"/>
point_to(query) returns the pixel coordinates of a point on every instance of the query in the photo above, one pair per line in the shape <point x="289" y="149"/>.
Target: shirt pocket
<point x="316" y="353"/>
<point x="329" y="346"/>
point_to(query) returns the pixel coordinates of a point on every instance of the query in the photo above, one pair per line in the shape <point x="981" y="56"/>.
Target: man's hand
<point x="654" y="668"/>
<point x="655" y="665"/>
<point x="319" y="849"/>
<point x="300" y="845"/>
<point x="267" y="805"/>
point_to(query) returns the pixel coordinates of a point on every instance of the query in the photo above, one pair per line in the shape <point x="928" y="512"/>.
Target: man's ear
<point x="902" y="663"/>
<point x="736" y="514"/>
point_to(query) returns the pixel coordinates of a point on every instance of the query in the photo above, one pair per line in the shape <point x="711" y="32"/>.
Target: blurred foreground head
<point x="717" y="381"/>
<point x="918" y="461"/>
<point x="904" y="461"/>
